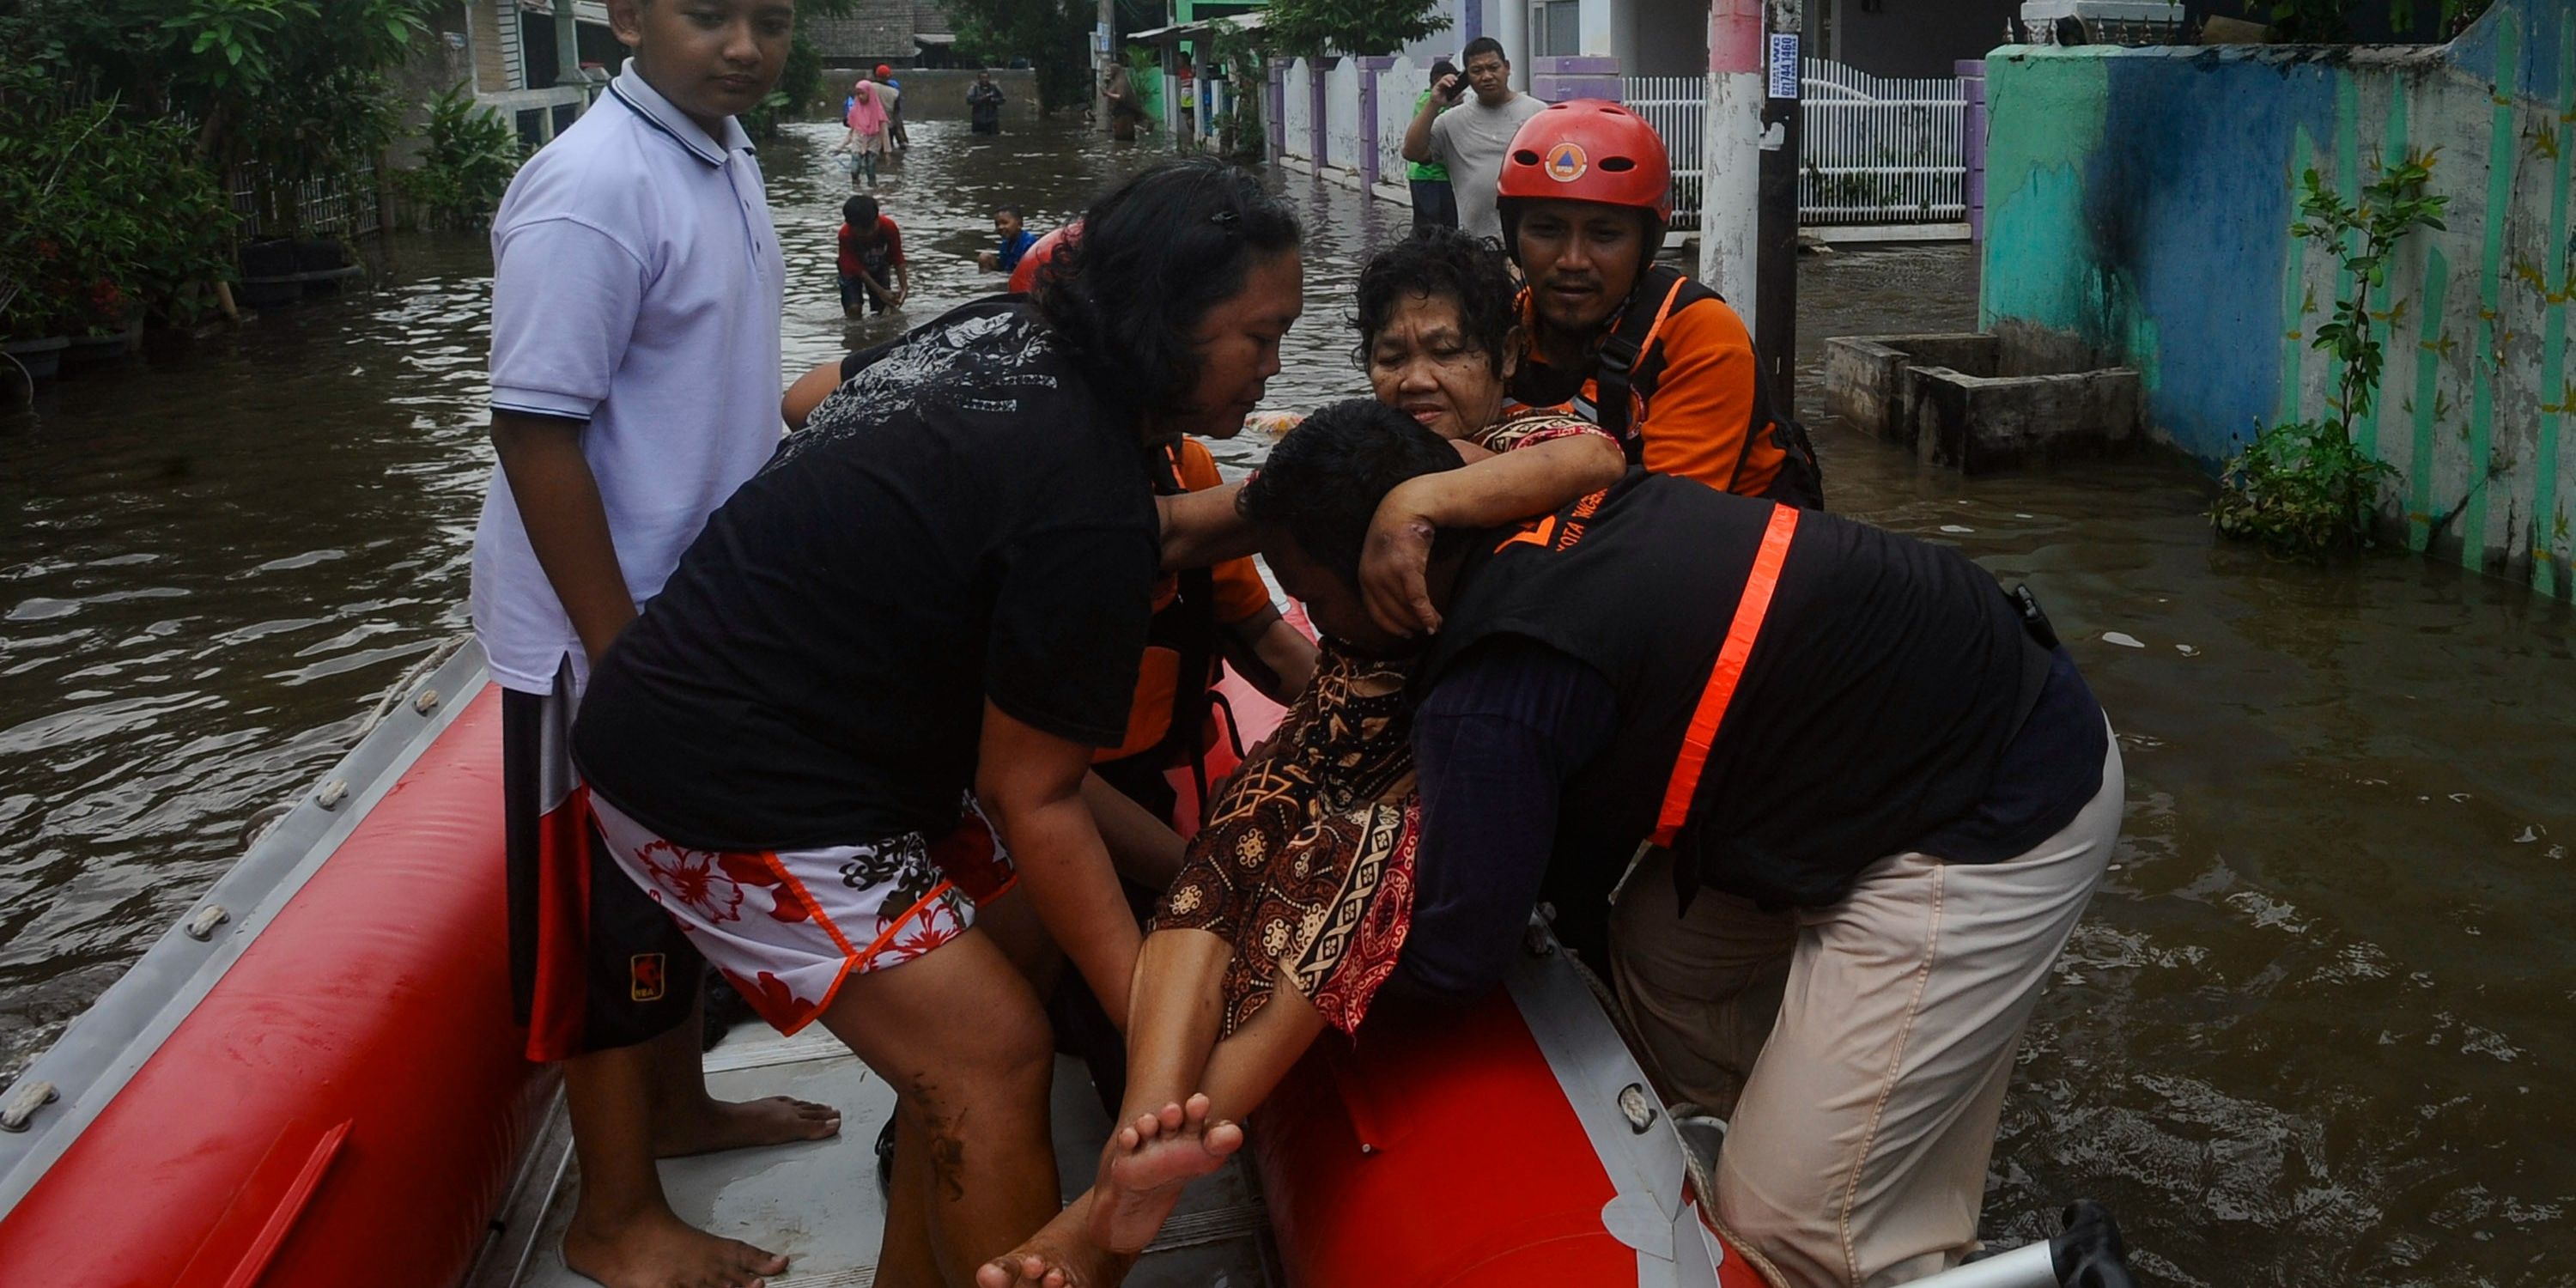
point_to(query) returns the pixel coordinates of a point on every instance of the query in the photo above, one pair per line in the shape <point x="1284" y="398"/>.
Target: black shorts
<point x="595" y="964"/>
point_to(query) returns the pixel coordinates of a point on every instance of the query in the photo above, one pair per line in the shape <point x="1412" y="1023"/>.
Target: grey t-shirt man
<point x="1470" y="139"/>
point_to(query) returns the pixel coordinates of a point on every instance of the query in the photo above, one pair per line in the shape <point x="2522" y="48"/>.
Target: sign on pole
<point x="1784" y="64"/>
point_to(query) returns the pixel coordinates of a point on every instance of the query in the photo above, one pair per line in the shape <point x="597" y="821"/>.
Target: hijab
<point x="867" y="116"/>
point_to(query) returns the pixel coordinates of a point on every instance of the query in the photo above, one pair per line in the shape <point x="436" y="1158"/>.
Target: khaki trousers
<point x="1860" y="1051"/>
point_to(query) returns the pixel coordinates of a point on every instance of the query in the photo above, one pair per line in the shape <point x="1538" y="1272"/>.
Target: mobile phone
<point x="1457" y="88"/>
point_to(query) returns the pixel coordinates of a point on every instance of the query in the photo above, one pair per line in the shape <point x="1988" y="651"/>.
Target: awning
<point x="933" y="38"/>
<point x="1193" y="30"/>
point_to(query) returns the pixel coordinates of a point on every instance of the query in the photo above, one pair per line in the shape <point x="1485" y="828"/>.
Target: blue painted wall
<point x="2139" y="203"/>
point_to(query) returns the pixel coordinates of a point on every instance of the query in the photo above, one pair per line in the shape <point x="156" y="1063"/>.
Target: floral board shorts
<point x="787" y="926"/>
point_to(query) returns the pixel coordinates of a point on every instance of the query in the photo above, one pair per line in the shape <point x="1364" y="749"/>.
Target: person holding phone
<point x="1468" y="135"/>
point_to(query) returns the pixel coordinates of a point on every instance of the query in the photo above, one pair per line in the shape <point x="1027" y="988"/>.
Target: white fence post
<point x="1397" y="87"/>
<point x="1342" y="141"/>
<point x="1297" y="106"/>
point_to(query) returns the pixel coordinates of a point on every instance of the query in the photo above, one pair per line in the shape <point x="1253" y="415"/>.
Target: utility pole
<point x="1104" y="47"/>
<point x="1749" y="171"/>
<point x="1775" y="273"/>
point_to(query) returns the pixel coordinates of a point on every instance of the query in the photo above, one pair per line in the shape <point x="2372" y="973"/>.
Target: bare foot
<point x="737" y="1124"/>
<point x="1147" y="1165"/>
<point x="1058" y="1256"/>
<point x="660" y="1250"/>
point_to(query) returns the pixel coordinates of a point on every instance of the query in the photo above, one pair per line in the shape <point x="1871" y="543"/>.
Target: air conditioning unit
<point x="2103" y="22"/>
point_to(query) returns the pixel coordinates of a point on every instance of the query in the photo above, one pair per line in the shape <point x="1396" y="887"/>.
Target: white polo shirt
<point x="636" y="285"/>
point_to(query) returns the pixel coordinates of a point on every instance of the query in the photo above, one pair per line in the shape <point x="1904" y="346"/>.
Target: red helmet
<point x="884" y="72"/>
<point x="1589" y="149"/>
<point x="1025" y="275"/>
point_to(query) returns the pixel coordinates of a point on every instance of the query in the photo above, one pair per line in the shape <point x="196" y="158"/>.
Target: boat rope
<point x="393" y="699"/>
<point x="400" y="692"/>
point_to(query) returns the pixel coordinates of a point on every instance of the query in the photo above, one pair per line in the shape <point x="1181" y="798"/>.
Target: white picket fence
<point x="1677" y="106"/>
<point x="1875" y="150"/>
<point x="1878" y="150"/>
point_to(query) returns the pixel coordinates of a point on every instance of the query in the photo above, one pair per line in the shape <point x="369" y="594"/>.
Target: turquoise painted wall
<point x="2139" y="204"/>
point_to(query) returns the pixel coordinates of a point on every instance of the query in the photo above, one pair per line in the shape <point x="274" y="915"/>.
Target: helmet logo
<point x="1565" y="162"/>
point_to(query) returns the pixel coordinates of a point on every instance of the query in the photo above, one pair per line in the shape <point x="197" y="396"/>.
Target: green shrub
<point x="468" y="155"/>
<point x="2301" y="489"/>
<point x="111" y="214"/>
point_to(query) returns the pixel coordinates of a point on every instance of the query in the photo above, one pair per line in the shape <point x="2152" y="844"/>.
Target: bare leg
<point x="959" y="1035"/>
<point x="686" y="1120"/>
<point x="905" y="1259"/>
<point x="623" y="1232"/>
<point x="1179" y="975"/>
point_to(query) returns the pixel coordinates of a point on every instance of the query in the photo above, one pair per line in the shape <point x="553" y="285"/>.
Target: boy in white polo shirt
<point x="636" y="297"/>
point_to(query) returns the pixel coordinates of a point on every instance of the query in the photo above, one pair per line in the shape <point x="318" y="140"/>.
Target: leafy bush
<point x="467" y="158"/>
<point x="1305" y="28"/>
<point x="111" y="215"/>
<point x="2303" y="488"/>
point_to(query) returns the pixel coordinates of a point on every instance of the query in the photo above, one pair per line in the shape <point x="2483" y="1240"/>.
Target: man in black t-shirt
<point x="1762" y="753"/>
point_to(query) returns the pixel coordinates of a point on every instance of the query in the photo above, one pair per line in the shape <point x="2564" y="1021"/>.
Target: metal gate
<point x="1881" y="151"/>
<point x="1876" y="150"/>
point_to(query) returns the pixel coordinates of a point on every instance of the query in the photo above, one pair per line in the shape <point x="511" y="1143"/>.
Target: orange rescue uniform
<point x="1700" y="420"/>
<point x="1240" y="595"/>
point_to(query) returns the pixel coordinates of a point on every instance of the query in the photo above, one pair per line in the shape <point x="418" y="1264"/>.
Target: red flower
<point x="774" y="1001"/>
<point x="691" y="875"/>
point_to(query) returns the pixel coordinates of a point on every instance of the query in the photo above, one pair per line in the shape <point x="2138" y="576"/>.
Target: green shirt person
<point x="1434" y="202"/>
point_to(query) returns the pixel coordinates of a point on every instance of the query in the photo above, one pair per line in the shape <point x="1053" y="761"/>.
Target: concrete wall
<point x="2139" y="205"/>
<point x="876" y="31"/>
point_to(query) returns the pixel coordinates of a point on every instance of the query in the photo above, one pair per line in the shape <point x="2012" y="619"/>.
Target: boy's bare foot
<point x="738" y="1124"/>
<point x="659" y="1250"/>
<point x="1148" y="1163"/>
<point x="1058" y="1256"/>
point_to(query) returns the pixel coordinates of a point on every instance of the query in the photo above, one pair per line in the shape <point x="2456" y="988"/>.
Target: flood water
<point x="2313" y="1030"/>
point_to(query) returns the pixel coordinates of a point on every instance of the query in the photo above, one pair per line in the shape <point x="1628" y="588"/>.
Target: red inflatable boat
<point x="312" y="1081"/>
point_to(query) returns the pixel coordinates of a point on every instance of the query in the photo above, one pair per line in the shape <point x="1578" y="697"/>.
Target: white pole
<point x="2029" y="1266"/>
<point x="1731" y="155"/>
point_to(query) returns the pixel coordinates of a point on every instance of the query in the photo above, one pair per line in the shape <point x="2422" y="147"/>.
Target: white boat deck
<point x="818" y="1202"/>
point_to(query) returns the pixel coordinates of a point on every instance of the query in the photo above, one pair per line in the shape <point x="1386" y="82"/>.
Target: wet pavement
<point x="2312" y="1031"/>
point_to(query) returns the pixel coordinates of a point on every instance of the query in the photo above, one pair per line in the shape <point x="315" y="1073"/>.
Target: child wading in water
<point x="870" y="133"/>
<point x="1016" y="240"/>
<point x="871" y="252"/>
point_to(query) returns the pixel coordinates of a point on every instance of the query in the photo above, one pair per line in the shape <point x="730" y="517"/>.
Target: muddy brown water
<point x="2313" y="1029"/>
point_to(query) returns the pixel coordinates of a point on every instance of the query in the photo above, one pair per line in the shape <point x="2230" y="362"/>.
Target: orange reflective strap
<point x="1662" y="311"/>
<point x="1722" y="678"/>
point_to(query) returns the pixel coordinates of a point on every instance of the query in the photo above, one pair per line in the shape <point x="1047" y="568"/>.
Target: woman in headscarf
<point x="867" y="139"/>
